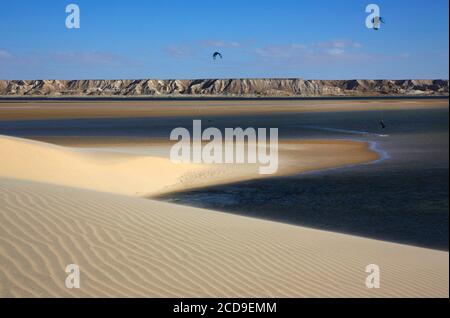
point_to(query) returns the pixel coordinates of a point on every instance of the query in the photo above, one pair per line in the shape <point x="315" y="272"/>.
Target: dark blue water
<point x="403" y="198"/>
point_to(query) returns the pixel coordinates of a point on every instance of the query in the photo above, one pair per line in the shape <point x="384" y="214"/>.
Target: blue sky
<point x="309" y="39"/>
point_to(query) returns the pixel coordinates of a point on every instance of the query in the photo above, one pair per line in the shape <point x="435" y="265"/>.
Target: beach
<point x="69" y="196"/>
<point x="136" y="173"/>
<point x="33" y="110"/>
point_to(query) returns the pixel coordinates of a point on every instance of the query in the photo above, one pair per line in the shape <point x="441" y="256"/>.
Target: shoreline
<point x="372" y="145"/>
<point x="53" y="110"/>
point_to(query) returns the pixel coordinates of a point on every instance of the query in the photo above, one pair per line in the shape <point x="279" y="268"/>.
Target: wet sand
<point x="33" y="110"/>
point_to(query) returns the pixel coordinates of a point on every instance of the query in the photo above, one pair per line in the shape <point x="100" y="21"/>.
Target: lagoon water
<point x="402" y="198"/>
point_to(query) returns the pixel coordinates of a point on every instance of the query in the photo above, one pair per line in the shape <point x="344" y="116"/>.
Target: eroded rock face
<point x="224" y="87"/>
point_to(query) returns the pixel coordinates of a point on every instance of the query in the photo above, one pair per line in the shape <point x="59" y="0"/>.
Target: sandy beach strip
<point x="133" y="171"/>
<point x="34" y="110"/>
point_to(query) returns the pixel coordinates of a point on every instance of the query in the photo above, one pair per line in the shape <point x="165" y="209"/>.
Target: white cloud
<point x="335" y="51"/>
<point x="281" y="51"/>
<point x="193" y="48"/>
<point x="221" y="44"/>
<point x="5" y="54"/>
<point x="94" y="58"/>
<point x="320" y="52"/>
<point x="339" y="44"/>
<point x="298" y="46"/>
<point x="179" y="51"/>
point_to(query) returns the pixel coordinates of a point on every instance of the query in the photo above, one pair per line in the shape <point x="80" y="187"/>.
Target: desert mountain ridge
<point x="224" y="87"/>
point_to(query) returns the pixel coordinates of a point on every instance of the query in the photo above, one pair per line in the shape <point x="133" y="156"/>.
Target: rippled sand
<point x="63" y="205"/>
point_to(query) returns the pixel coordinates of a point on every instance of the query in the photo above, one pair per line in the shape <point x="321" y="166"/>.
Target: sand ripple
<point x="131" y="247"/>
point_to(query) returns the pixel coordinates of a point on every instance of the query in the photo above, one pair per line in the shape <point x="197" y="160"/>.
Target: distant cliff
<point x="224" y="87"/>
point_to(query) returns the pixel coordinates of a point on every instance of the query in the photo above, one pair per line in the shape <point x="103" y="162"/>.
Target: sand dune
<point x="135" y="173"/>
<point x="136" y="247"/>
<point x="128" y="246"/>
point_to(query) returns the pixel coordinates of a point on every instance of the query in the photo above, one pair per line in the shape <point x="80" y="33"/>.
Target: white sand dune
<point x="136" y="247"/>
<point x="103" y="171"/>
<point x="128" y="246"/>
<point x="143" y="175"/>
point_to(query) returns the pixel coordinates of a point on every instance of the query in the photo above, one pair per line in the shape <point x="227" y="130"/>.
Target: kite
<point x="217" y="54"/>
<point x="377" y="22"/>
